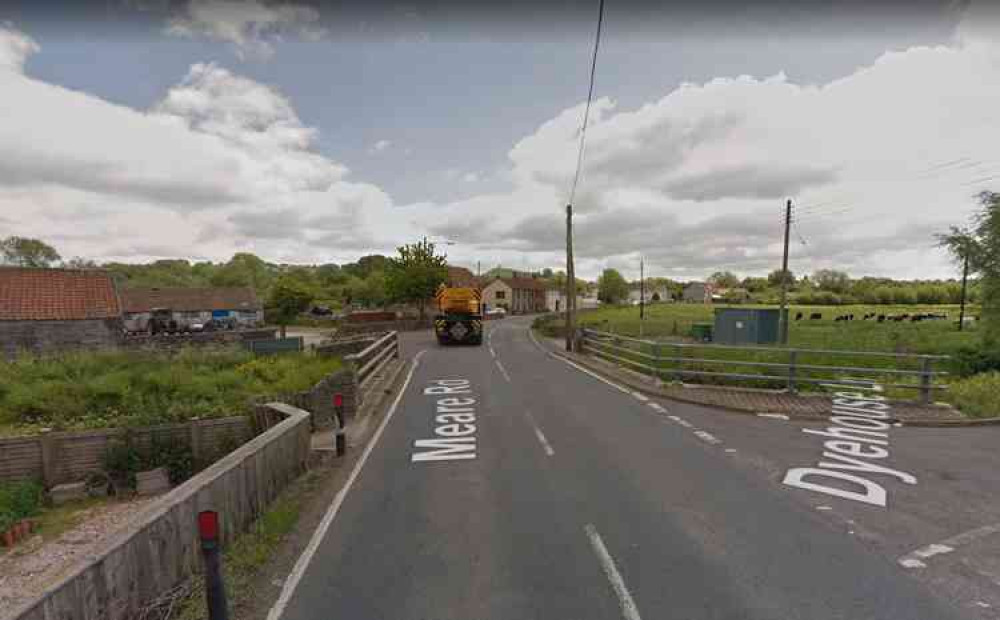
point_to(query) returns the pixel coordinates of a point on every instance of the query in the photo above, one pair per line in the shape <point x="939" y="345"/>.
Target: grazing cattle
<point x="798" y="316"/>
<point x="816" y="316"/>
<point x="881" y="318"/>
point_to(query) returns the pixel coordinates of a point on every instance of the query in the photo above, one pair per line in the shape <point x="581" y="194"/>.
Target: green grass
<point x="976" y="396"/>
<point x="19" y="500"/>
<point x="119" y="389"/>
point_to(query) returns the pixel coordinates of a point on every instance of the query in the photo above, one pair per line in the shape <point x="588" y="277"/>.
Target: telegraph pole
<point x="570" y="280"/>
<point x="965" y="280"/>
<point x="642" y="294"/>
<point x="783" y="312"/>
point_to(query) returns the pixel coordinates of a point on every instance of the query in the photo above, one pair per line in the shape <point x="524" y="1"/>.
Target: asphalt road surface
<point x="508" y="484"/>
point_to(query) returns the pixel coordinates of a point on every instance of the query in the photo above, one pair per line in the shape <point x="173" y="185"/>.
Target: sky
<point x="135" y="130"/>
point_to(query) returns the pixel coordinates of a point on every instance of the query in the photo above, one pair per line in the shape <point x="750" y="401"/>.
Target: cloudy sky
<point x="316" y="132"/>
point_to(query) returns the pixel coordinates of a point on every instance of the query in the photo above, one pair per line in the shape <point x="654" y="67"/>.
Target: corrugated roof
<point x="189" y="299"/>
<point x="31" y="294"/>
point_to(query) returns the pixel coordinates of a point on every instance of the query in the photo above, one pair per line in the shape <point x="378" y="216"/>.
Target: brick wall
<point x="55" y="336"/>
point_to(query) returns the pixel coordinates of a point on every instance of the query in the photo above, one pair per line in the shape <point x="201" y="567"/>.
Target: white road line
<point x="776" y="416"/>
<point x="629" y="610"/>
<point x="641" y="396"/>
<point x="492" y="352"/>
<point x="538" y="433"/>
<point x="657" y="407"/>
<point x="594" y="375"/>
<point x="302" y="563"/>
<point x="681" y="421"/>
<point x="503" y="370"/>
<point x="913" y="558"/>
<point x="709" y="437"/>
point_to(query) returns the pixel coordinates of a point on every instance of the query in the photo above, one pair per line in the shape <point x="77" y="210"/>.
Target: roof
<point x="189" y="299"/>
<point x="34" y="294"/>
<point x="461" y="277"/>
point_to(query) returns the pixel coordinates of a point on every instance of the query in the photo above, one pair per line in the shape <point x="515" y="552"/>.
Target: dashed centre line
<point x="539" y="434"/>
<point x="503" y="370"/>
<point x="709" y="437"/>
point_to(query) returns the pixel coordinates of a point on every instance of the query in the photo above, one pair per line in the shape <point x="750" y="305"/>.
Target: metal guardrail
<point x="372" y="358"/>
<point x="648" y="356"/>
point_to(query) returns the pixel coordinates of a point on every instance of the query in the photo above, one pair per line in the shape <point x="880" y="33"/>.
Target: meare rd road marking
<point x="455" y="416"/>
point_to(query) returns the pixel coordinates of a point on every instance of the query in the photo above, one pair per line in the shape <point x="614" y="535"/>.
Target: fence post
<point x="679" y="365"/>
<point x="395" y="344"/>
<point x="925" y="380"/>
<point x="792" y="359"/>
<point x="656" y="359"/>
<point x="50" y="457"/>
<point x="194" y="427"/>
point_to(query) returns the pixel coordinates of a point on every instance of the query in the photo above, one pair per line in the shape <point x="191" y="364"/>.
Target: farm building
<point x="50" y="310"/>
<point x="191" y="305"/>
<point x="516" y="295"/>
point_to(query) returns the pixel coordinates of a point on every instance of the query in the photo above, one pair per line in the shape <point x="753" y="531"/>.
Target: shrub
<point x="19" y="500"/>
<point x="969" y="361"/>
<point x="976" y="396"/>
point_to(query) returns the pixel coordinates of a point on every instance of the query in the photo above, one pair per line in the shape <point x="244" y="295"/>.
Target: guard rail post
<point x="925" y="380"/>
<point x="792" y="359"/>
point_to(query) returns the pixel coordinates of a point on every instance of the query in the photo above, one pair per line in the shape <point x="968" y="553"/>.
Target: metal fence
<point x="275" y="346"/>
<point x="372" y="358"/>
<point x="788" y="366"/>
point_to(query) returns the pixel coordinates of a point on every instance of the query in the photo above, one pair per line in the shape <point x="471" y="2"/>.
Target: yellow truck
<point x="460" y="316"/>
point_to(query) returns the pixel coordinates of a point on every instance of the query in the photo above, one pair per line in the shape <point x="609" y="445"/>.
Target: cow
<point x="816" y="316"/>
<point x="798" y="316"/>
<point x="881" y="318"/>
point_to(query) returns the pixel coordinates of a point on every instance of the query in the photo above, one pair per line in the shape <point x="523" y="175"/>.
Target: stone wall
<point x="45" y="337"/>
<point x="159" y="549"/>
<point x="199" y="339"/>
<point x="399" y="325"/>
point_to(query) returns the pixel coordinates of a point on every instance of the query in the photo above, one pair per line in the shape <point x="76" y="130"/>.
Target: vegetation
<point x="416" y="273"/>
<point x="19" y="500"/>
<point x="26" y="252"/>
<point x="612" y="287"/>
<point x="122" y="389"/>
<point x="287" y="300"/>
<point x="976" y="396"/>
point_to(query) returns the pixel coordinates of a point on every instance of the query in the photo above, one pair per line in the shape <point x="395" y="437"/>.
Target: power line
<point x="590" y="97"/>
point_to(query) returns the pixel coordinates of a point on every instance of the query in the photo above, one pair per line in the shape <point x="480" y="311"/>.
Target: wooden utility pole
<point x="965" y="280"/>
<point x="783" y="312"/>
<point x="570" y="280"/>
<point x="642" y="294"/>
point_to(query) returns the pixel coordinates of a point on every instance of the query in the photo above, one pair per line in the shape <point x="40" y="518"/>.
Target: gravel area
<point x="29" y="568"/>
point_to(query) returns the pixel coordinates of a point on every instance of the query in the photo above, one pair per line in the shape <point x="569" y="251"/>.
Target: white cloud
<point x="15" y="47"/>
<point x="470" y="177"/>
<point x="380" y="146"/>
<point x="250" y="26"/>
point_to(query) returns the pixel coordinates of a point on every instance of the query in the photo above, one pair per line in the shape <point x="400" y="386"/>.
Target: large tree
<point x="724" y="279"/>
<point x="415" y="274"/>
<point x="774" y="278"/>
<point x="26" y="252"/>
<point x="832" y="280"/>
<point x="612" y="288"/>
<point x="980" y="245"/>
<point x="287" y="300"/>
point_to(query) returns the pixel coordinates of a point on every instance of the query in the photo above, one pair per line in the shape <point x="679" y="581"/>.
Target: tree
<point x="371" y="291"/>
<point x="547" y="273"/>
<point x="774" y="278"/>
<point x="414" y="275"/>
<point x="980" y="244"/>
<point x="612" y="287"/>
<point x="287" y="300"/>
<point x="832" y="280"/>
<point x="724" y="279"/>
<point x="25" y="252"/>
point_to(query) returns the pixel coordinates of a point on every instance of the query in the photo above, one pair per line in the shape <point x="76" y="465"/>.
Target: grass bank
<point x="88" y="390"/>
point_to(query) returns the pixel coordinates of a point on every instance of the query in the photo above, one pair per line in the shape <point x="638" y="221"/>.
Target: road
<point x="558" y="496"/>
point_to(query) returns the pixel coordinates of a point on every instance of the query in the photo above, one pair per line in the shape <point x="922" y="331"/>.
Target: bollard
<point x="338" y="408"/>
<point x="215" y="587"/>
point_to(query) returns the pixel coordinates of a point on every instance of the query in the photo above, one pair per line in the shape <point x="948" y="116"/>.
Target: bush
<point x="19" y="500"/>
<point x="121" y="389"/>
<point x="969" y="361"/>
<point x="976" y="396"/>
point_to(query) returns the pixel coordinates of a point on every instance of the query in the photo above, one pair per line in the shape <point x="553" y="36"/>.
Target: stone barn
<point x="52" y="310"/>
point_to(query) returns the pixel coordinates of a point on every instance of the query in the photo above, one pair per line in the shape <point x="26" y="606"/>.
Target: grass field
<point x="673" y="322"/>
<point x="666" y="323"/>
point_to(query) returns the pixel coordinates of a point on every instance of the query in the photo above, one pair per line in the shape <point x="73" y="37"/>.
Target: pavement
<point x="506" y="483"/>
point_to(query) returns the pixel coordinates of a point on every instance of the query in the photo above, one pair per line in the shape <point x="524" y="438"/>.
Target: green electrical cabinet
<point x="746" y="325"/>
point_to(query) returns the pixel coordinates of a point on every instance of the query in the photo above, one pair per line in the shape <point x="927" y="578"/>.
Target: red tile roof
<point x="189" y="299"/>
<point x="525" y="283"/>
<point x="28" y="294"/>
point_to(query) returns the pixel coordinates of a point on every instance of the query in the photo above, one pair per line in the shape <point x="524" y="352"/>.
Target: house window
<point x="501" y="295"/>
<point x="190" y="315"/>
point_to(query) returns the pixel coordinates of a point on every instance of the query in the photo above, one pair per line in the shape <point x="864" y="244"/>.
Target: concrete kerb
<point x="645" y="385"/>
